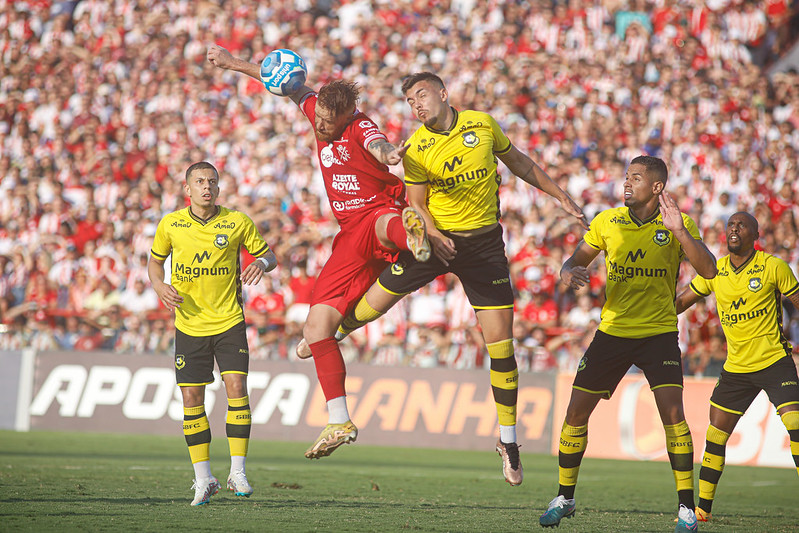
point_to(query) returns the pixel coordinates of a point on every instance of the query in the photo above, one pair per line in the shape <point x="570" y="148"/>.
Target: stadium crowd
<point x="105" y="103"/>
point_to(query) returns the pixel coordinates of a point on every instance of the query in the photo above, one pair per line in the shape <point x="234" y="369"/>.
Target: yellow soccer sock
<point x="238" y="425"/>
<point x="504" y="380"/>
<point x="360" y="316"/>
<point x="712" y="466"/>
<point x="197" y="432"/>
<point x="680" y="447"/>
<point x="573" y="442"/>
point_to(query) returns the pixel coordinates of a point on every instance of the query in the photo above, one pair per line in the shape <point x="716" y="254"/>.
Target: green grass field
<point x="99" y="482"/>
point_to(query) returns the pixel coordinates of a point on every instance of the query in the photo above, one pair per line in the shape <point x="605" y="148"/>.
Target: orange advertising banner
<point x="628" y="425"/>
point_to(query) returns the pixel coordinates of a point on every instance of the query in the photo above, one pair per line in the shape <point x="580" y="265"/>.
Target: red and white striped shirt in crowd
<point x="748" y="25"/>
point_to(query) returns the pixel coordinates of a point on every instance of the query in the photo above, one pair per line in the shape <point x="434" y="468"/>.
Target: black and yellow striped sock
<point x="360" y="316"/>
<point x="238" y="425"/>
<point x="791" y="421"/>
<point x="197" y="433"/>
<point x="712" y="466"/>
<point x="681" y="456"/>
<point x="573" y="442"/>
<point x="504" y="380"/>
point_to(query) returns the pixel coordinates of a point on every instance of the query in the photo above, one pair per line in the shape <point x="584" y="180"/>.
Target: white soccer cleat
<point x="237" y="482"/>
<point x="204" y="489"/>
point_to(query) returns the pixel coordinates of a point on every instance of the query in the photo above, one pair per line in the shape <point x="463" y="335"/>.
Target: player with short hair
<point x="748" y="288"/>
<point x="205" y="241"/>
<point x="644" y="243"/>
<point x="376" y="223"/>
<point x="453" y="182"/>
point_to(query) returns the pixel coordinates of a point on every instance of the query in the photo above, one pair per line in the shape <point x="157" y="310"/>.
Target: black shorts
<point x="480" y="264"/>
<point x="735" y="392"/>
<point x="608" y="358"/>
<point x="194" y="356"/>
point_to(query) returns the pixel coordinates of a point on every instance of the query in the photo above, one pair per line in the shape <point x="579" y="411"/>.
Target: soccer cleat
<point x="237" y="482"/>
<point x="701" y="515"/>
<point x="333" y="436"/>
<point x="686" y="521"/>
<point x="558" y="509"/>
<point x="204" y="489"/>
<point x="417" y="235"/>
<point x="303" y="350"/>
<point x="511" y="462"/>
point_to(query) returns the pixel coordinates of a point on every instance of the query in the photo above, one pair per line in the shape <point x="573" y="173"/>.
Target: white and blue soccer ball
<point x="283" y="72"/>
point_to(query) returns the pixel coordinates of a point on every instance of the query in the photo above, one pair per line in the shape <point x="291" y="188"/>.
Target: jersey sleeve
<point x="785" y="278"/>
<point x="252" y="239"/>
<point x="502" y="144"/>
<point x="308" y="106"/>
<point x="162" y="244"/>
<point x="594" y="237"/>
<point x="415" y="173"/>
<point x="701" y="286"/>
<point x="367" y="131"/>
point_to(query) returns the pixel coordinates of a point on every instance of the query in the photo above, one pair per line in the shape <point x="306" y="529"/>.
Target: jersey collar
<point x="740" y="267"/>
<point x="647" y="220"/>
<point x="200" y="220"/>
<point x="451" y="126"/>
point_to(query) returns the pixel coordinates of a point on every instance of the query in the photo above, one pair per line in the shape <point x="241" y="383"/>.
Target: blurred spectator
<point x="86" y="149"/>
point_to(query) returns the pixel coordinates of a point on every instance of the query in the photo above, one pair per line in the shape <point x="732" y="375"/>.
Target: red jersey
<point x="356" y="183"/>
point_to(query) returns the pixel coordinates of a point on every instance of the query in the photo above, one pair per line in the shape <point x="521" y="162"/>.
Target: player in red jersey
<point x="376" y="223"/>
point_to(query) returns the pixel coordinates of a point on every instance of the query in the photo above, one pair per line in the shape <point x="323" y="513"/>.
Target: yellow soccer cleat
<point x="333" y="436"/>
<point x="417" y="234"/>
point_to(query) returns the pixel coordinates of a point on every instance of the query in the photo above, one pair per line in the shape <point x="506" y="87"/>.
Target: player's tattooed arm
<point x="385" y="152"/>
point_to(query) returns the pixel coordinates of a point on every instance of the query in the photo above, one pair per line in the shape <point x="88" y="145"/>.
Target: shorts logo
<point x="221" y="241"/>
<point x="470" y="139"/>
<point x="397" y="269"/>
<point x="671" y="362"/>
<point x="662" y="237"/>
<point x="788" y="384"/>
<point x="243" y="350"/>
<point x="582" y="364"/>
<point x="180" y="362"/>
<point x="755" y="284"/>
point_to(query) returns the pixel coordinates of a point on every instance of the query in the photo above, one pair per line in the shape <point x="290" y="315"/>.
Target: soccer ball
<point x="283" y="72"/>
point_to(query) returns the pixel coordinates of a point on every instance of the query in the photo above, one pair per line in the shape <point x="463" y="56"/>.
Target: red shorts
<point x="357" y="259"/>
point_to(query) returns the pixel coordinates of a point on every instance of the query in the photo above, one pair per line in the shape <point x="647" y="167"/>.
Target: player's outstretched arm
<point x="686" y="299"/>
<point x="525" y="168"/>
<point x="166" y="293"/>
<point x="221" y="58"/>
<point x="574" y="271"/>
<point x="254" y="272"/>
<point x="702" y="259"/>
<point x="387" y="153"/>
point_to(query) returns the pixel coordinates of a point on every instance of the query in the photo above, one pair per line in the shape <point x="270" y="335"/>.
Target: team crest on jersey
<point x="755" y="284"/>
<point x="582" y="363"/>
<point x="221" y="241"/>
<point x="662" y="237"/>
<point x="397" y="269"/>
<point x="180" y="361"/>
<point x="470" y="139"/>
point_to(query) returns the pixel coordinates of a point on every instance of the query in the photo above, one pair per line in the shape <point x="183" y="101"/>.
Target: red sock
<point x="330" y="367"/>
<point x="396" y="233"/>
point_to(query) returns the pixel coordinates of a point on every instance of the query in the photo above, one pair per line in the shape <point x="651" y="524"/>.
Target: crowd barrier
<point x="397" y="406"/>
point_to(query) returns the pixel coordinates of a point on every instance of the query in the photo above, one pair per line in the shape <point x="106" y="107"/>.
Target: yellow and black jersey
<point x="643" y="262"/>
<point x="206" y="266"/>
<point x="750" y="309"/>
<point x="459" y="167"/>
